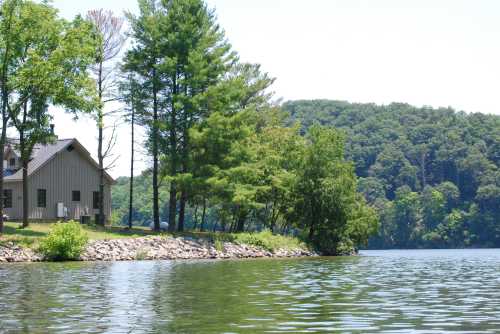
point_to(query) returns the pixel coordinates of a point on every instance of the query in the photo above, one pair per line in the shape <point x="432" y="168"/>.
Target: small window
<point x="75" y="196"/>
<point x="41" y="198"/>
<point x="95" y="200"/>
<point x="7" y="198"/>
<point x="12" y="162"/>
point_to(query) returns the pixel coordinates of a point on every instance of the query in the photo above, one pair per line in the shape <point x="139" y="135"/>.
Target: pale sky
<point x="423" y="52"/>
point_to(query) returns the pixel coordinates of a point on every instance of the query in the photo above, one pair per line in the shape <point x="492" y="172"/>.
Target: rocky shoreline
<point x="156" y="248"/>
<point x="10" y="252"/>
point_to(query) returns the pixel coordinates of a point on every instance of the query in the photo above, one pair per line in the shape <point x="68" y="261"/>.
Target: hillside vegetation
<point x="432" y="174"/>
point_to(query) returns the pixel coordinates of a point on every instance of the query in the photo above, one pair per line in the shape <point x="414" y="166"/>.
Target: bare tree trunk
<point x="184" y="163"/>
<point x="240" y="226"/>
<point x="172" y="209"/>
<point x="274" y="215"/>
<point x="313" y="222"/>
<point x="24" y="162"/>
<point x="112" y="40"/>
<point x="156" y="208"/>
<point x="223" y="224"/>
<point x="3" y="139"/>
<point x="202" y="226"/>
<point x="195" y="225"/>
<point x="2" y="147"/>
<point x="101" y="177"/>
<point x="5" y="117"/>
<point x="25" y="193"/>
<point x="131" y="191"/>
<point x="182" y="211"/>
<point x="172" y="206"/>
<point x="232" y="228"/>
<point x="100" y="155"/>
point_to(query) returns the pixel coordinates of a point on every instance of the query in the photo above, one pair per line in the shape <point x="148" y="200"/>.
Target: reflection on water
<point x="383" y="291"/>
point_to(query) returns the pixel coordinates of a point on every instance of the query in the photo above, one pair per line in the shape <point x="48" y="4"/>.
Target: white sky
<point x="423" y="52"/>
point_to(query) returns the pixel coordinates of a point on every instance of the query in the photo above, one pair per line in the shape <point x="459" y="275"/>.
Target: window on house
<point x="75" y="196"/>
<point x="7" y="198"/>
<point x="95" y="200"/>
<point x="12" y="162"/>
<point x="41" y="198"/>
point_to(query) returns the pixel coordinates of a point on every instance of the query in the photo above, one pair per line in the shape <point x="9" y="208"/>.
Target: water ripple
<point x="382" y="291"/>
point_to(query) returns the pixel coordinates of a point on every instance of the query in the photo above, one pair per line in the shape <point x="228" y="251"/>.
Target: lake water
<point x="423" y="291"/>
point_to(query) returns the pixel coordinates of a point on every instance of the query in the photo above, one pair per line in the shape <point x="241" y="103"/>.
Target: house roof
<point x="43" y="153"/>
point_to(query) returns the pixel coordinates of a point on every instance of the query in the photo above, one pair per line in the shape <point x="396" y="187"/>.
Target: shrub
<point x="64" y="242"/>
<point x="265" y="239"/>
<point x="141" y="255"/>
<point x="269" y="241"/>
<point x="219" y="245"/>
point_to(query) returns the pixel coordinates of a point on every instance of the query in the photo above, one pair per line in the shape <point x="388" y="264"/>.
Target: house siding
<point x="17" y="200"/>
<point x="67" y="171"/>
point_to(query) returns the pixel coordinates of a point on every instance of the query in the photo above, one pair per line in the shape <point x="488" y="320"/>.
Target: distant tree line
<point x="433" y="175"/>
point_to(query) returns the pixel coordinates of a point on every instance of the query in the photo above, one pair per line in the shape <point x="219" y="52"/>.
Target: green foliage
<point x="433" y="203"/>
<point x="269" y="241"/>
<point x="264" y="239"/>
<point x="43" y="61"/>
<point x="46" y="61"/>
<point x="64" y="242"/>
<point x="223" y="150"/>
<point x="141" y="255"/>
<point x="219" y="245"/>
<point x="325" y="197"/>
<point x="420" y="168"/>
<point x="182" y="59"/>
<point x="267" y="178"/>
<point x="143" y="207"/>
<point x="22" y="241"/>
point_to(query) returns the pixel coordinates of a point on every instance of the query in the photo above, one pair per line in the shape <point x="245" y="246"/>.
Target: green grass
<point x="30" y="236"/>
<point x="264" y="239"/>
<point x="219" y="245"/>
<point x="269" y="241"/>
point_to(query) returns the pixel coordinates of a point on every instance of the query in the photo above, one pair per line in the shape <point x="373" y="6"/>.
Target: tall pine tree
<point x="180" y="52"/>
<point x="144" y="61"/>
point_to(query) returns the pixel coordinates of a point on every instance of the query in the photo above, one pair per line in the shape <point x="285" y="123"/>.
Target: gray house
<point x="63" y="181"/>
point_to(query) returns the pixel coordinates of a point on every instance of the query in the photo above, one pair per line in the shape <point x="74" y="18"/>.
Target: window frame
<point x="76" y="192"/>
<point x="11" y="160"/>
<point x="7" y="199"/>
<point x="95" y="200"/>
<point x="41" y="201"/>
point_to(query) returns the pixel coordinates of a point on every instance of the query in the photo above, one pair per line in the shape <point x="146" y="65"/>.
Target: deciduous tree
<point x="48" y="68"/>
<point x="108" y="32"/>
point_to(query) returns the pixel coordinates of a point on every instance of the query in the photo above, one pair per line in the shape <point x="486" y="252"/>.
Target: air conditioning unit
<point x="60" y="210"/>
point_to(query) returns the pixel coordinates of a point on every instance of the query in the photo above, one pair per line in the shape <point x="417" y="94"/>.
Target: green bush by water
<point x="65" y="241"/>
<point x="269" y="241"/>
<point x="141" y="255"/>
<point x="219" y="245"/>
<point x="265" y="239"/>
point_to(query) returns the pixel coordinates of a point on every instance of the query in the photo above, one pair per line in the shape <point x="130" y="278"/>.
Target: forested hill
<point x="433" y="174"/>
